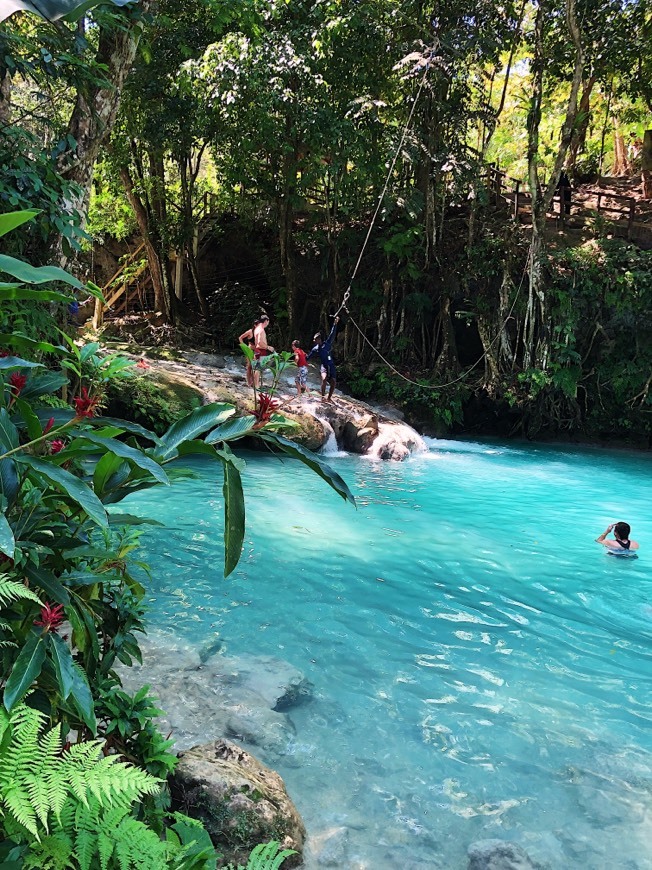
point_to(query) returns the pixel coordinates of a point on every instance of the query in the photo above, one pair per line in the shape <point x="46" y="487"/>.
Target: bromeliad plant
<point x="70" y="606"/>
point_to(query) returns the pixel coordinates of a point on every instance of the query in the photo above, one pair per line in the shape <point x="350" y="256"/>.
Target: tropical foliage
<point x="71" y="607"/>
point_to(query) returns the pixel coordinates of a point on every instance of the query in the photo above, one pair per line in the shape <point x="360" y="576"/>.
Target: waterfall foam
<point x="396" y="441"/>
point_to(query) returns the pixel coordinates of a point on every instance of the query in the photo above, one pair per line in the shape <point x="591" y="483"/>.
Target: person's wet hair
<point x="622" y="531"/>
<point x="295" y="343"/>
<point x="317" y="336"/>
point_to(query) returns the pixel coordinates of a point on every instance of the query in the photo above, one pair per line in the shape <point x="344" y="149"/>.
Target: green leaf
<point x="131" y="520"/>
<point x="7" y="542"/>
<point x="50" y="584"/>
<point x="44" y="384"/>
<point x="194" y="424"/>
<point x="197" y="448"/>
<point x="31" y="421"/>
<point x="25" y="670"/>
<point x="125" y="426"/>
<point x="106" y="467"/>
<point x="14" y="362"/>
<point x="313" y="462"/>
<point x="131" y="454"/>
<point x="18" y="293"/>
<point x="232" y="429"/>
<point x="63" y="664"/>
<point x="95" y="291"/>
<point x="72" y="486"/>
<point x="22" y="342"/>
<point x="36" y="274"/>
<point x="8" y="432"/>
<point x="11" y="220"/>
<point x="88" y="350"/>
<point x="8" y="480"/>
<point x="81" y="695"/>
<point x="234" y="510"/>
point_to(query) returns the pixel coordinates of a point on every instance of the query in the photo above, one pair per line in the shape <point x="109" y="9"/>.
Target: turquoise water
<point x="480" y="667"/>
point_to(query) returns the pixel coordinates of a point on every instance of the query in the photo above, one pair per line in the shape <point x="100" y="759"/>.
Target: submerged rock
<point x="276" y="681"/>
<point x="240" y="801"/>
<point x="499" y="855"/>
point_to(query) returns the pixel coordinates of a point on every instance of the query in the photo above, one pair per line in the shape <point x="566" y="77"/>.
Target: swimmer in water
<point x="622" y="543"/>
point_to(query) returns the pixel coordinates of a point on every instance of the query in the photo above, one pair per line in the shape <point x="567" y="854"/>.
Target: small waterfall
<point x="396" y="441"/>
<point x="331" y="447"/>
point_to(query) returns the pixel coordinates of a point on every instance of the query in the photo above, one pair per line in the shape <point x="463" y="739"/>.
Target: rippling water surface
<point x="481" y="668"/>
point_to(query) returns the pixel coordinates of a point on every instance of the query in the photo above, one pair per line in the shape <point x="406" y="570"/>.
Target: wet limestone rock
<point x="240" y="801"/>
<point x="277" y="682"/>
<point x="499" y="855"/>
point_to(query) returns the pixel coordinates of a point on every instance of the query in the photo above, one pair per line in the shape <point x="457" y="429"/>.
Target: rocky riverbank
<point x="345" y="424"/>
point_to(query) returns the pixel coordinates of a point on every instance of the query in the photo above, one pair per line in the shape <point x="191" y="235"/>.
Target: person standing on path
<point x="261" y="349"/>
<point x="323" y="349"/>
<point x="301" y="378"/>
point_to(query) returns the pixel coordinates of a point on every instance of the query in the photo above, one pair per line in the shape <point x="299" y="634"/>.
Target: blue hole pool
<point x="481" y="668"/>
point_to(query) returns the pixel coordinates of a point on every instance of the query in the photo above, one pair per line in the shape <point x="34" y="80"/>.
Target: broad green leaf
<point x="131" y="454"/>
<point x="7" y="542"/>
<point x="72" y="486"/>
<point x="95" y="291"/>
<point x="26" y="670"/>
<point x="29" y="418"/>
<point x="11" y="220"/>
<point x="234" y="510"/>
<point x="8" y="479"/>
<point x="88" y="350"/>
<point x="194" y="424"/>
<point x="247" y="351"/>
<point x="44" y="384"/>
<point x="116" y="519"/>
<point x="104" y="469"/>
<point x="232" y="429"/>
<point x="197" y="448"/>
<point x="20" y="341"/>
<point x="18" y="293"/>
<point x="36" y="274"/>
<point x="81" y="695"/>
<point x="125" y="426"/>
<point x="46" y="580"/>
<point x="8" y="432"/>
<point x="14" y="362"/>
<point x="63" y="664"/>
<point x="313" y="462"/>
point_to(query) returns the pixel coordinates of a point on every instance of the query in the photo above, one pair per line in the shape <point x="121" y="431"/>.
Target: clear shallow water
<point x="481" y="667"/>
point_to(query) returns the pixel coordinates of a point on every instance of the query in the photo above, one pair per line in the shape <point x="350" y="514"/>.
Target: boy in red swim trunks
<point x="301" y="377"/>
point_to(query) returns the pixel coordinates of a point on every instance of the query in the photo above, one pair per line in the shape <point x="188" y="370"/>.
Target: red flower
<point x="48" y="425"/>
<point x="52" y="616"/>
<point x="4" y="353"/>
<point x="85" y="405"/>
<point x="141" y="364"/>
<point x="18" y="381"/>
<point x="57" y="445"/>
<point x="266" y="407"/>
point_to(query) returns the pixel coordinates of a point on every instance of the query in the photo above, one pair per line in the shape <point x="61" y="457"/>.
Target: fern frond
<point x="266" y="856"/>
<point x="17" y="800"/>
<point x="13" y="590"/>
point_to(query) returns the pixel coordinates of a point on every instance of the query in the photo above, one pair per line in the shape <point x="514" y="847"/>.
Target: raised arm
<point x="601" y="538"/>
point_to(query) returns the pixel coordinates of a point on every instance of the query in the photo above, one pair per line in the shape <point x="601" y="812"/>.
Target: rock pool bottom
<point x="479" y="668"/>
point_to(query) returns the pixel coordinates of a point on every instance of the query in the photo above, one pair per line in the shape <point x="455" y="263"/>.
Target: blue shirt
<point x="323" y="350"/>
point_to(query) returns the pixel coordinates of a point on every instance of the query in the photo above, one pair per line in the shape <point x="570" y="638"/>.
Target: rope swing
<point x="347" y="294"/>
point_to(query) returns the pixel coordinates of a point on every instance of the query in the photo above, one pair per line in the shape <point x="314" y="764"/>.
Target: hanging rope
<point x="347" y="293"/>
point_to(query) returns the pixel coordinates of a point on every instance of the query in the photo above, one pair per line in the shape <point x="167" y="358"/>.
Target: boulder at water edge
<point x="240" y="801"/>
<point x="499" y="855"/>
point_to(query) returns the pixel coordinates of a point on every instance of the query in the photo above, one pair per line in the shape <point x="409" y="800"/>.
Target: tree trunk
<point x="95" y="110"/>
<point x="621" y="163"/>
<point x="156" y="263"/>
<point x="646" y="164"/>
<point x="5" y="96"/>
<point x="584" y="112"/>
<point x="536" y="347"/>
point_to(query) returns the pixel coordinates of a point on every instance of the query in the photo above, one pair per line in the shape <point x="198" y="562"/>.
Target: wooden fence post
<point x="516" y="194"/>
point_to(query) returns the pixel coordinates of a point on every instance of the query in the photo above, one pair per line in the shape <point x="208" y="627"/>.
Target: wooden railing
<point x="511" y="191"/>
